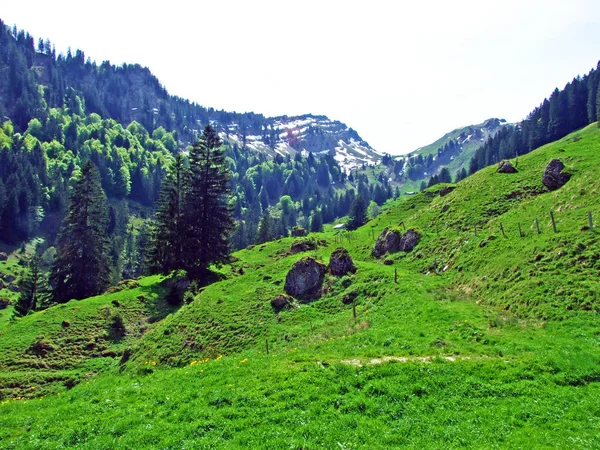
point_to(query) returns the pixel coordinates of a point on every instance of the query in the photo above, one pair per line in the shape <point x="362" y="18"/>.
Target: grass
<point x="485" y="341"/>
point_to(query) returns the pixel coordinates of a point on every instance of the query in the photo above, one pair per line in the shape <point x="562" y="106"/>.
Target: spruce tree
<point x="208" y="216"/>
<point x="34" y="289"/>
<point x="167" y="241"/>
<point x="82" y="265"/>
<point x="358" y="213"/>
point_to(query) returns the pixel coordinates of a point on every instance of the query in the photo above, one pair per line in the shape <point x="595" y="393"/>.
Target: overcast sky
<point x="400" y="73"/>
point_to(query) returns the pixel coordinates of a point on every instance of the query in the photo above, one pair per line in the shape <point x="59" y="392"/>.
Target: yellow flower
<point x="245" y="360"/>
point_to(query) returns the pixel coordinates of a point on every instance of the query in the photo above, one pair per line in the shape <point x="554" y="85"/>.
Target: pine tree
<point x="358" y="213"/>
<point x="265" y="229"/>
<point x="166" y="252"/>
<point x="316" y="222"/>
<point x="34" y="289"/>
<point x="82" y="265"/>
<point x="208" y="216"/>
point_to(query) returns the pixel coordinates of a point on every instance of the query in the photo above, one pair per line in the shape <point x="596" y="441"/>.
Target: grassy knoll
<point x="488" y="339"/>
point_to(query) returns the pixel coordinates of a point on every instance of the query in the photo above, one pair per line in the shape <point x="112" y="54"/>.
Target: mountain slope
<point x="484" y="335"/>
<point x="34" y="78"/>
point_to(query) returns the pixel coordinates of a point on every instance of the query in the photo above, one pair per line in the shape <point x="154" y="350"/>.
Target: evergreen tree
<point x="166" y="252"/>
<point x="358" y="213"/>
<point x="34" y="289"/>
<point x="82" y="265"/>
<point x="265" y="228"/>
<point x="316" y="222"/>
<point x="208" y="216"/>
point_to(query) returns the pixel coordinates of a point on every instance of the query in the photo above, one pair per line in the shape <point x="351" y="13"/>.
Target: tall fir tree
<point x="358" y="213"/>
<point x="82" y="265"/>
<point x="208" y="215"/>
<point x="34" y="289"/>
<point x="166" y="252"/>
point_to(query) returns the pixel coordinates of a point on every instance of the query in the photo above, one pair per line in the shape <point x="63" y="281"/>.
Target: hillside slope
<point x="480" y="337"/>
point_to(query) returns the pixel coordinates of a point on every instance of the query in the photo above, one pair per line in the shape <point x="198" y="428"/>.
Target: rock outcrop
<point x="387" y="242"/>
<point x="305" y="277"/>
<point x="302" y="245"/>
<point x="280" y="302"/>
<point x="409" y="240"/>
<point x="340" y="262"/>
<point x="390" y="241"/>
<point x="554" y="177"/>
<point x="506" y="166"/>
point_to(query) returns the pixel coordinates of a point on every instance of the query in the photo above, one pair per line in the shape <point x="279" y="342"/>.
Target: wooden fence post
<point x="537" y="226"/>
<point x="520" y="231"/>
<point x="553" y="221"/>
<point x="395" y="275"/>
<point x="502" y="229"/>
<point x="354" y="311"/>
<point x="591" y="220"/>
<point x="267" y="344"/>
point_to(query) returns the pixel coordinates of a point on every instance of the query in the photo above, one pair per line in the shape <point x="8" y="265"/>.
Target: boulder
<point x="349" y="297"/>
<point x="446" y="190"/>
<point x="299" y="232"/>
<point x="4" y="303"/>
<point x="388" y="262"/>
<point x="302" y="245"/>
<point x="390" y="241"/>
<point x="281" y="301"/>
<point x="409" y="240"/>
<point x="554" y="177"/>
<point x="506" y="166"/>
<point x="340" y="262"/>
<point x="3" y="256"/>
<point x="387" y="242"/>
<point x="305" y="276"/>
<point x="9" y="278"/>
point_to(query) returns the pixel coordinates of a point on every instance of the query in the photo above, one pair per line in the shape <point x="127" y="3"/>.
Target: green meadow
<point x="485" y="335"/>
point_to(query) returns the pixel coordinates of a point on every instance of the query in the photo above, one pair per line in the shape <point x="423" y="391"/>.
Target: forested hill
<point x="60" y="111"/>
<point x="34" y="77"/>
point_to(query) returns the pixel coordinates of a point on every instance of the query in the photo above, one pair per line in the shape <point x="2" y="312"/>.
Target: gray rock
<point x="9" y="278"/>
<point x="506" y="166"/>
<point x="281" y="301"/>
<point x="3" y="256"/>
<point x="302" y="245"/>
<point x="4" y="303"/>
<point x="387" y="242"/>
<point x="554" y="177"/>
<point x="409" y="240"/>
<point x="340" y="262"/>
<point x="390" y="241"/>
<point x="305" y="277"/>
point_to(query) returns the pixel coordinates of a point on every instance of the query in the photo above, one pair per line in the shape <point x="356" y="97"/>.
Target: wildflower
<point x="245" y="360"/>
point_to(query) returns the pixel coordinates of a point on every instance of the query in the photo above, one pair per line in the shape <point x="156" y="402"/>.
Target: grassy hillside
<point x="488" y="339"/>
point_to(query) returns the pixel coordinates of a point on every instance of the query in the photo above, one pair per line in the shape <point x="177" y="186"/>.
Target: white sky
<point x="400" y="73"/>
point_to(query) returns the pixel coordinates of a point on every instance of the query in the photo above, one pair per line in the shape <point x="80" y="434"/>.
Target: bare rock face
<point x="408" y="241"/>
<point x="387" y="242"/>
<point x="281" y="302"/>
<point x="390" y="241"/>
<point x="340" y="262"/>
<point x="554" y="177"/>
<point x="305" y="276"/>
<point x="506" y="166"/>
